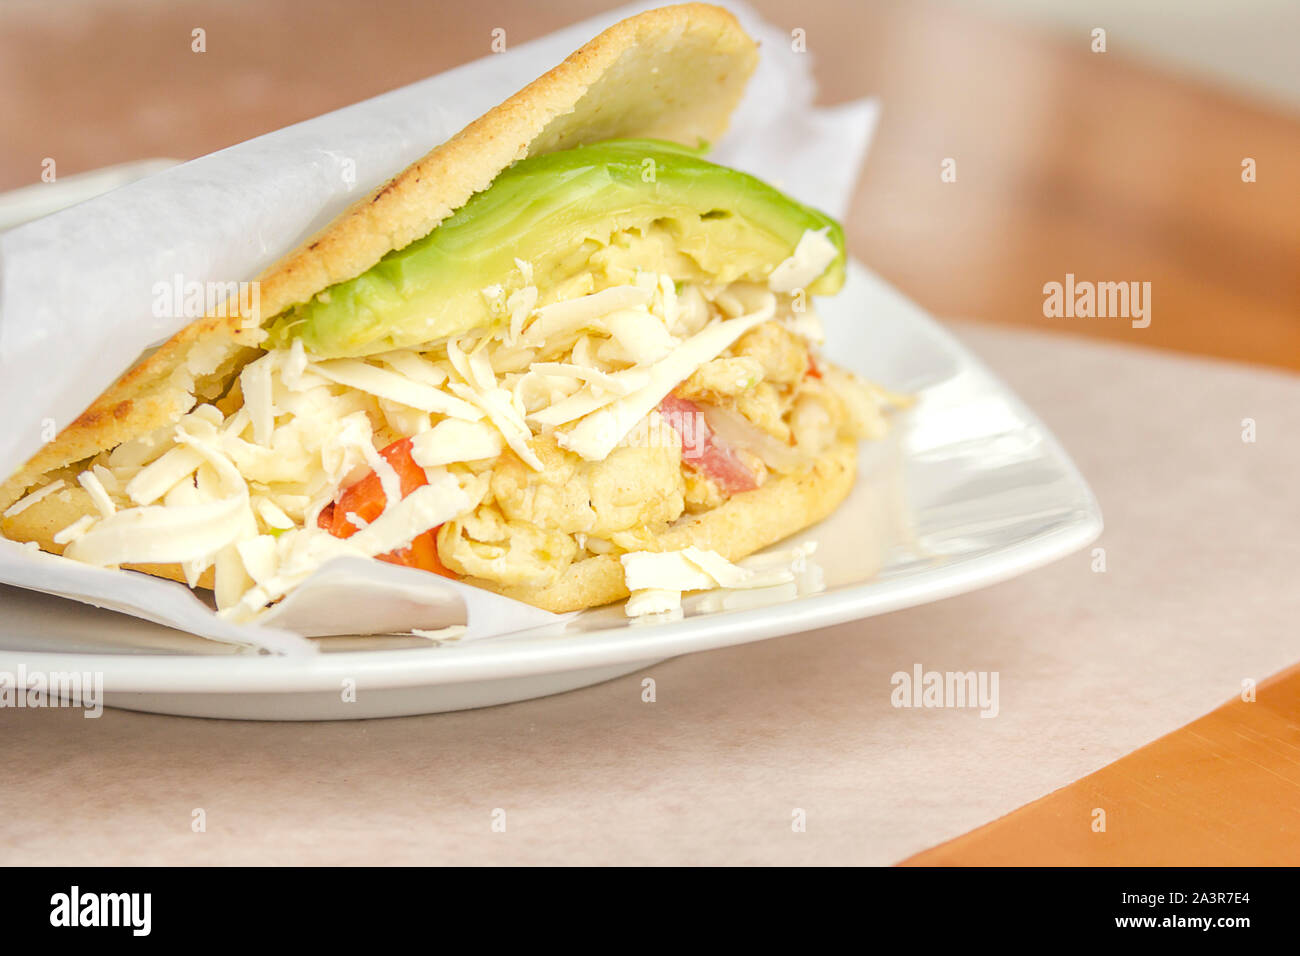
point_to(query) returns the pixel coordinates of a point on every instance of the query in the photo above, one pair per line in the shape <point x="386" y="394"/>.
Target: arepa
<point x="643" y="379"/>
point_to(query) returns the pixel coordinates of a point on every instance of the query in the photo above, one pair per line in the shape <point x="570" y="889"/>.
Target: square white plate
<point x="971" y="490"/>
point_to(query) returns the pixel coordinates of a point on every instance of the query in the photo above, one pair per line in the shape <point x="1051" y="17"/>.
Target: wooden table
<point x="1067" y="162"/>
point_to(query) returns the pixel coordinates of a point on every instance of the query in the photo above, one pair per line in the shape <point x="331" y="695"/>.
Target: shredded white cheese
<point x="259" y="557"/>
<point x="388" y="478"/>
<point x="426" y="507"/>
<point x="653" y="601"/>
<point x="452" y="440"/>
<point x="95" y="488"/>
<point x="637" y="337"/>
<point x="565" y="318"/>
<point x="107" y="479"/>
<point x="273" y="515"/>
<point x="293" y="366"/>
<point x="74" y="530"/>
<point x="413" y="367"/>
<point x="520" y="305"/>
<point x="157" y="478"/>
<point x="500" y="408"/>
<point x="161" y="534"/>
<point x="600" y="432"/>
<point x="812" y="255"/>
<point x="653" y="576"/>
<point x="255" y="383"/>
<point x="22" y="504"/>
<point x="355" y="373"/>
<point x="587" y="400"/>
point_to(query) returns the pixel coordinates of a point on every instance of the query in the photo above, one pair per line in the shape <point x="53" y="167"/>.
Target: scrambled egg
<point x="766" y="406"/>
<point x="527" y="532"/>
<point x="721" y="378"/>
<point x="701" y="493"/>
<point x="838" y="404"/>
<point x="484" y="544"/>
<point x="779" y="353"/>
<point x="638" y="485"/>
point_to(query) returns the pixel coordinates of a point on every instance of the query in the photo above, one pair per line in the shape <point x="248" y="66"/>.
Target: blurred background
<point x="1123" y="165"/>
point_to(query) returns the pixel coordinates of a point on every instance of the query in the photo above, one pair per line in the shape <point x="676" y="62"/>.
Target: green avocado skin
<point x="555" y="211"/>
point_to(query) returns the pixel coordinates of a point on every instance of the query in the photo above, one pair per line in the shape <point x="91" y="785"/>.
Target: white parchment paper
<point x="77" y="287"/>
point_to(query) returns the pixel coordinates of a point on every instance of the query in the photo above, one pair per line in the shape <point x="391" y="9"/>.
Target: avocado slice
<point x="564" y="213"/>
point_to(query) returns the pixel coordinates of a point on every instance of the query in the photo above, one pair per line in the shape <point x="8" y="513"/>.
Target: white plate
<point x="972" y="490"/>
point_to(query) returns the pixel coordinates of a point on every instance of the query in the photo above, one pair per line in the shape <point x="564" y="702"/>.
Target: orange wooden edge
<point x="1222" y="791"/>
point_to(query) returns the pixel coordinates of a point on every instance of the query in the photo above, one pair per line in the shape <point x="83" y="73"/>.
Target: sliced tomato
<point x="705" y="451"/>
<point x="422" y="554"/>
<point x="366" y="500"/>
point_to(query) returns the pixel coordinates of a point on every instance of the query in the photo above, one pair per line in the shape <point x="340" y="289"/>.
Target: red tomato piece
<point x="703" y="450"/>
<point x="366" y="500"/>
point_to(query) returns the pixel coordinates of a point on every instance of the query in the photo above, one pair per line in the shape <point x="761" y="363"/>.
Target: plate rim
<point x="158" y="673"/>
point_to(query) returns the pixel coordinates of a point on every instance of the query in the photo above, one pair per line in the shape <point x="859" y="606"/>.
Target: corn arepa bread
<point x="673" y="73"/>
<point x="512" y="449"/>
